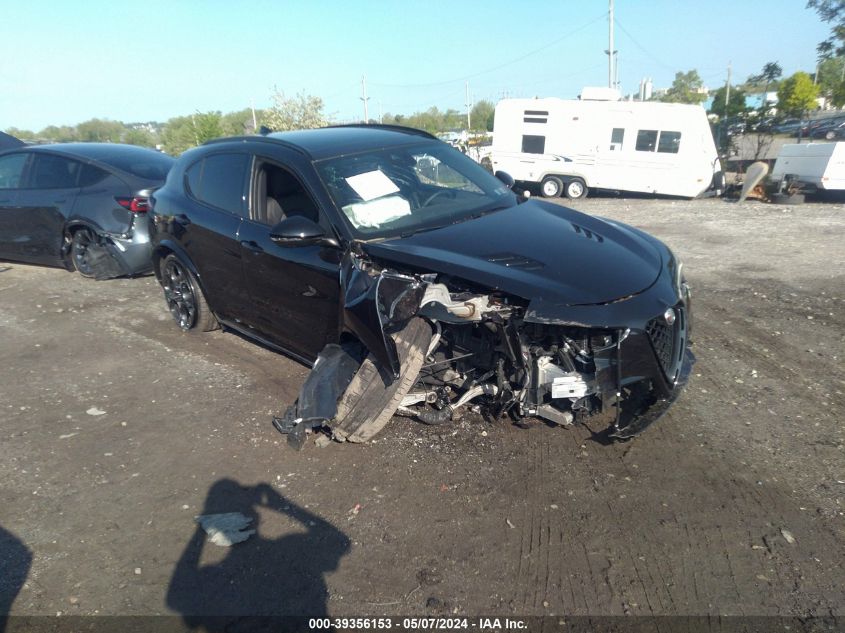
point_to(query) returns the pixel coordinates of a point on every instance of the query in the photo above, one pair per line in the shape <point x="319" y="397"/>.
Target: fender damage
<point x="627" y="359"/>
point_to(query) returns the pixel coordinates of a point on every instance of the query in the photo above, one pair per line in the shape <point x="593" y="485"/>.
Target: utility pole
<point x="365" y="98"/>
<point x="254" y="120"/>
<point x="380" y="113"/>
<point x="728" y="91"/>
<point x="611" y="77"/>
<point x="467" y="103"/>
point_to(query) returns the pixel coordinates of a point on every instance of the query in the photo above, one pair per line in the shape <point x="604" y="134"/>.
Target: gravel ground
<point x="117" y="429"/>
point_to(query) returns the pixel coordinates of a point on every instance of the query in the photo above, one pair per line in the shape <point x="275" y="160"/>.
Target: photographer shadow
<point x="261" y="583"/>
<point x="15" y="561"/>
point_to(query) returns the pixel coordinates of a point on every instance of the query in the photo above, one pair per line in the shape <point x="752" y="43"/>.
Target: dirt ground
<point x="116" y="430"/>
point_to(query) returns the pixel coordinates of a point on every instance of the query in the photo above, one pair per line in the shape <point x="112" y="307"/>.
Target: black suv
<point x="414" y="280"/>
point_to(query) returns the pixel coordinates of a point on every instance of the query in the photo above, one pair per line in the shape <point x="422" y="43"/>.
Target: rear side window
<point x="91" y="175"/>
<point x="53" y="172"/>
<point x="532" y="144"/>
<point x="646" y="140"/>
<point x="219" y="180"/>
<point x="11" y="169"/>
<point x="149" y="165"/>
<point x="669" y="142"/>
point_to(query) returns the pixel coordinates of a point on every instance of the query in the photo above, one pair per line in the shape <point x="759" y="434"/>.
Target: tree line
<point x="301" y="111"/>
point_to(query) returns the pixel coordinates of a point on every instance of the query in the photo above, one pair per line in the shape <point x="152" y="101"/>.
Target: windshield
<point x="402" y="190"/>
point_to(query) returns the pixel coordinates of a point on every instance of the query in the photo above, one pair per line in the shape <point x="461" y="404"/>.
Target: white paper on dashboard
<point x="372" y="184"/>
<point x="377" y="212"/>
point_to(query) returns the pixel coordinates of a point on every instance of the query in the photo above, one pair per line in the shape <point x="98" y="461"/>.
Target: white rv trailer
<point x="817" y="165"/>
<point x="570" y="146"/>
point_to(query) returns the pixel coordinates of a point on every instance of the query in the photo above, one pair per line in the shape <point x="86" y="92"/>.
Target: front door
<point x="294" y="291"/>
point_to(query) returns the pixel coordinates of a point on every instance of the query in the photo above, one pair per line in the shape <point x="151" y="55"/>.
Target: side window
<point x="532" y="144"/>
<point x="280" y="195"/>
<point x="53" y="172"/>
<point x="219" y="180"/>
<point x="669" y="142"/>
<point x="617" y="137"/>
<point x="646" y="140"/>
<point x="11" y="170"/>
<point x="193" y="177"/>
<point x="91" y="175"/>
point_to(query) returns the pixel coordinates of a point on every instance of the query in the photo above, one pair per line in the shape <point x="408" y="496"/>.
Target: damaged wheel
<point x="184" y="297"/>
<point x="80" y="252"/>
<point x="374" y="395"/>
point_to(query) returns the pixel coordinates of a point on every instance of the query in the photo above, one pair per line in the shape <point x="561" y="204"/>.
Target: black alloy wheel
<point x="80" y="250"/>
<point x="179" y="293"/>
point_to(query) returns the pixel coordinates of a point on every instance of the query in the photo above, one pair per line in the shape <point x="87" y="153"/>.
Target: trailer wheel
<point x="787" y="198"/>
<point x="576" y="189"/>
<point x="551" y="187"/>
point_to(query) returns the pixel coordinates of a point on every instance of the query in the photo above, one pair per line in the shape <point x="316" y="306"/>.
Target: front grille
<point x="668" y="342"/>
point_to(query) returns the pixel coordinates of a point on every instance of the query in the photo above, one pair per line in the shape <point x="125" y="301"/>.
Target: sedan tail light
<point x="136" y="204"/>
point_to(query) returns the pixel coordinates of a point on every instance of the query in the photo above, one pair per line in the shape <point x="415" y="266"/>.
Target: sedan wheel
<point x="80" y="251"/>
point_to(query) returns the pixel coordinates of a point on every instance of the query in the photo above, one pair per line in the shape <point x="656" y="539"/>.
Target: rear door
<point x="11" y="175"/>
<point x="43" y="205"/>
<point x="294" y="291"/>
<point x="216" y="186"/>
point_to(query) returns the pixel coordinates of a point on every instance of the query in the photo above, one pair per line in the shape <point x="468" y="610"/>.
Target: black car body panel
<point x="546" y="310"/>
<point x="62" y="188"/>
<point x="536" y="249"/>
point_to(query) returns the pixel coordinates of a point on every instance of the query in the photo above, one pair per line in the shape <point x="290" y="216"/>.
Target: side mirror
<point x="298" y="230"/>
<point x="506" y="178"/>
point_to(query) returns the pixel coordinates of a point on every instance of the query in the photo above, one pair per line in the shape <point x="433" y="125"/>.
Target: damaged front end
<point x="625" y="361"/>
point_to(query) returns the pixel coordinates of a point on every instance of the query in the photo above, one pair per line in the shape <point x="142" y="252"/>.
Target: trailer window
<point x="616" y="138"/>
<point x="669" y="142"/>
<point x="646" y="140"/>
<point x="532" y="144"/>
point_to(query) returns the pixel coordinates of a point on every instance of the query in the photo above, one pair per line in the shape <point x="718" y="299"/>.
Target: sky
<point x="68" y="61"/>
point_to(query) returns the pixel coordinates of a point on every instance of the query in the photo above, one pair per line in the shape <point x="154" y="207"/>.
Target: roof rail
<point x="386" y="126"/>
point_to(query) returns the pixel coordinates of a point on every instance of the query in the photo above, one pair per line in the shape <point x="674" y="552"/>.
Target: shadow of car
<point x="80" y="206"/>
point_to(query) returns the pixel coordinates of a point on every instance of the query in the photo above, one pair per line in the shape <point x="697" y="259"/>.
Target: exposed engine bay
<point x="489" y="350"/>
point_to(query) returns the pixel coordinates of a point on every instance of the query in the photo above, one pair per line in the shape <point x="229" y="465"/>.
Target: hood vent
<point x="512" y="260"/>
<point x="590" y="235"/>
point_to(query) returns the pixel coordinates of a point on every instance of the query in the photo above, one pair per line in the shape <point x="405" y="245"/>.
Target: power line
<point x="641" y="47"/>
<point x="489" y="70"/>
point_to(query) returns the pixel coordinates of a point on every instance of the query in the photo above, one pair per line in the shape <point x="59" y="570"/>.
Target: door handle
<point x="182" y="219"/>
<point x="252" y="246"/>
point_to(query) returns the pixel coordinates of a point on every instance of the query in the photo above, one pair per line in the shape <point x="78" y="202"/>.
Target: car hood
<point x="534" y="250"/>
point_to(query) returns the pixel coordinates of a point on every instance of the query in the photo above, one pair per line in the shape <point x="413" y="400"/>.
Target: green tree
<point x="481" y="116"/>
<point x="21" y="134"/>
<point x="832" y="12"/>
<point x="797" y="94"/>
<point x="100" y="131"/>
<point x="240" y="122"/>
<point x="63" y="134"/>
<point x="301" y="112"/>
<point x="141" y="137"/>
<point x="207" y="126"/>
<point x="736" y="104"/>
<point x="766" y="78"/>
<point x="830" y="74"/>
<point x="686" y="88"/>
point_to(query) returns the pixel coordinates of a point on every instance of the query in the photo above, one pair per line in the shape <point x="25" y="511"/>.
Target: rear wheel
<point x="184" y="297"/>
<point x="373" y="396"/>
<point x="551" y="187"/>
<point x="575" y="189"/>
<point x="80" y="251"/>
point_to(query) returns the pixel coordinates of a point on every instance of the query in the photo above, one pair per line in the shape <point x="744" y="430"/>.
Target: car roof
<point x="102" y="152"/>
<point x="332" y="141"/>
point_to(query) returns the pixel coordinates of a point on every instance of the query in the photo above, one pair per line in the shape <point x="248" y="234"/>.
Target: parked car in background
<point x="421" y="281"/>
<point x="79" y="205"/>
<point x="787" y="126"/>
<point x="829" y="131"/>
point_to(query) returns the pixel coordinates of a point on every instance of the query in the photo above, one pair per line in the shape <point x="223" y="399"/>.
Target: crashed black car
<point x="79" y="206"/>
<point x="414" y="281"/>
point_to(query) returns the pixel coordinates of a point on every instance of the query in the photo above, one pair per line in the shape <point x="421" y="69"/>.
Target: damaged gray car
<point x="415" y="282"/>
<point x="80" y="206"/>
